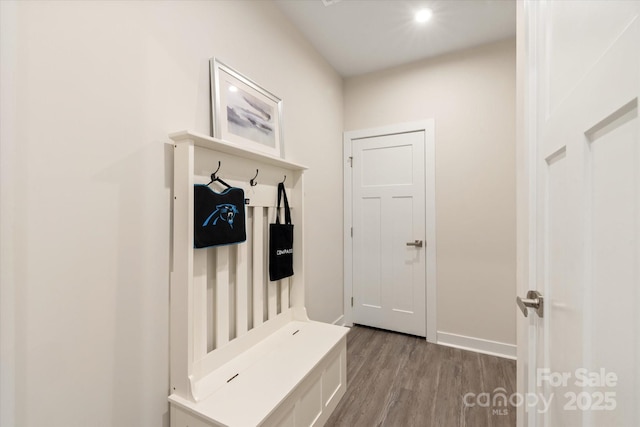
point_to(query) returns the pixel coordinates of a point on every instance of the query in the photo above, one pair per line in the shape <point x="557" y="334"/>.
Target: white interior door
<point x="580" y="366"/>
<point x="389" y="232"/>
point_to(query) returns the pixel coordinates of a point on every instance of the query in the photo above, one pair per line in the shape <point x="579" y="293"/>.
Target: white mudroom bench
<point x="242" y="350"/>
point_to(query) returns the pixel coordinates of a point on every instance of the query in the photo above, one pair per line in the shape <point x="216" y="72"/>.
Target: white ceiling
<point x="360" y="36"/>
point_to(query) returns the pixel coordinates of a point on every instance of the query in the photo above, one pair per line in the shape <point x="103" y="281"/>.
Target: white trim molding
<point x="339" y="321"/>
<point x="479" y="345"/>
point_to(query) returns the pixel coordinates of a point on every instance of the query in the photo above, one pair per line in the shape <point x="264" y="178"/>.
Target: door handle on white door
<point x="533" y="300"/>
<point x="416" y="243"/>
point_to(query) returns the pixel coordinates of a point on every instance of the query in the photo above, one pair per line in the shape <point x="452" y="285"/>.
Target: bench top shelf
<point x="231" y="148"/>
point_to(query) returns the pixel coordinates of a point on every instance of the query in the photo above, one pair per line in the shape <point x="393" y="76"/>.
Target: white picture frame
<point x="244" y="113"/>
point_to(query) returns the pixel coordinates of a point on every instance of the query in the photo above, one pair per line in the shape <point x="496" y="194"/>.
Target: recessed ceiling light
<point x="423" y="15"/>
<point x="233" y="89"/>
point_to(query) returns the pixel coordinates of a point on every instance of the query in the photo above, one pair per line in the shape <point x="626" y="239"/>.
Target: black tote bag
<point x="281" y="242"/>
<point x="219" y="218"/>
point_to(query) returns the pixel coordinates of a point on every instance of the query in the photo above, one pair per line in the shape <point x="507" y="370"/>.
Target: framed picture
<point x="243" y="112"/>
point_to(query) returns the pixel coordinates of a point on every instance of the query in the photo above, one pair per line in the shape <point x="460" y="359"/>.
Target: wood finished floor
<point x="399" y="380"/>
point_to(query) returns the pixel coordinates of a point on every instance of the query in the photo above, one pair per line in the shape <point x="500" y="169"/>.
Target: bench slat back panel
<point x="223" y="306"/>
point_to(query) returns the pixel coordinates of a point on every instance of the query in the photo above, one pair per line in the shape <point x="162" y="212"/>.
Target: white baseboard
<point x="479" y="345"/>
<point x="339" y="321"/>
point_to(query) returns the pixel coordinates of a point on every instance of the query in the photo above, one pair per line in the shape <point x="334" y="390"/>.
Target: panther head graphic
<point x="225" y="212"/>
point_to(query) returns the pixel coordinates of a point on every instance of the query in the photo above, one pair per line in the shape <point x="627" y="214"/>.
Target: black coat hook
<point x="285" y="178"/>
<point x="219" y="164"/>
<point x="213" y="175"/>
<point x="252" y="181"/>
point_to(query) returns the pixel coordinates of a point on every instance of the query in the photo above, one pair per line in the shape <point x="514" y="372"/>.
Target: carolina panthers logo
<point x="224" y="212"/>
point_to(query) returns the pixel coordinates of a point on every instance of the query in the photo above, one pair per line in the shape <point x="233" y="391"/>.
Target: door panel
<point x="402" y="229"/>
<point x="560" y="328"/>
<point x="583" y="65"/>
<point x="613" y="262"/>
<point x="594" y="26"/>
<point x="388" y="212"/>
<point x="369" y="252"/>
<point x="384" y="166"/>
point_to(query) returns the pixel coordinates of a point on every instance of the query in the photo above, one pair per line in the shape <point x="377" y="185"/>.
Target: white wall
<point x="471" y="96"/>
<point x="90" y="91"/>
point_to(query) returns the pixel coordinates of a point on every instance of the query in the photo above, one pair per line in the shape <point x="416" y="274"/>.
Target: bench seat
<point x="294" y="377"/>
